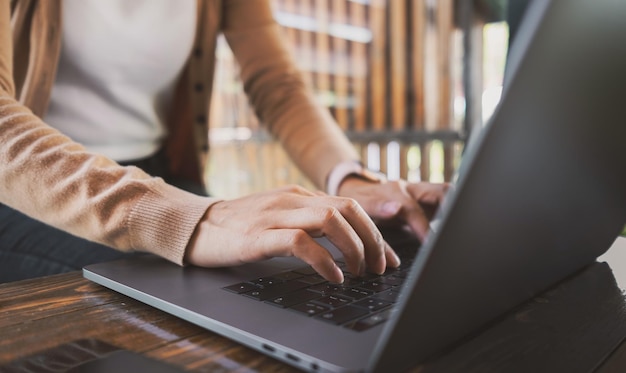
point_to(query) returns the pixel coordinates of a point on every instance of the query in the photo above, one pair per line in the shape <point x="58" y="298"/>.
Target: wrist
<point x="351" y="183"/>
<point x="352" y="170"/>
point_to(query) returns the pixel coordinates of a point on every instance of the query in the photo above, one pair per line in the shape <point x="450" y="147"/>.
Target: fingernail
<point x="391" y="208"/>
<point x="339" y="274"/>
<point x="397" y="258"/>
<point x="382" y="264"/>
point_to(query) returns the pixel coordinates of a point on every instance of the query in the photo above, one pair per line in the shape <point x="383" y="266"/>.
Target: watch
<point x="350" y="168"/>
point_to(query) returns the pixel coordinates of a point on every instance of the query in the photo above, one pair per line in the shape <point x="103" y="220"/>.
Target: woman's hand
<point x="283" y="222"/>
<point x="397" y="202"/>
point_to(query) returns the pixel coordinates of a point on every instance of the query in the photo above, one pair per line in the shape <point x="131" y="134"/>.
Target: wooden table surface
<point x="52" y="323"/>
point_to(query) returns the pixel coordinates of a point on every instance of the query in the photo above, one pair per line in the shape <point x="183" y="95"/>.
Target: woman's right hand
<point x="283" y="222"/>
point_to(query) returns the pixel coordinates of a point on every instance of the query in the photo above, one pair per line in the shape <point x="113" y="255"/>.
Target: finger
<point x="417" y="220"/>
<point x="393" y="260"/>
<point x="327" y="221"/>
<point x="426" y="196"/>
<point x="298" y="243"/>
<point x="373" y="242"/>
<point x="428" y="193"/>
<point x="386" y="202"/>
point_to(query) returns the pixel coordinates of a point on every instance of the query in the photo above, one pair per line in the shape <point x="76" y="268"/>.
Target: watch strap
<point x="350" y="168"/>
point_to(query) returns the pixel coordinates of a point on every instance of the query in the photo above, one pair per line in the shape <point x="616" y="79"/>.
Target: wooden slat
<point x="404" y="164"/>
<point x="449" y="155"/>
<point x="398" y="65"/>
<point x="359" y="58"/>
<point x="322" y="47"/>
<point x="418" y="51"/>
<point x="305" y="8"/>
<point x="445" y="116"/>
<point x="339" y="64"/>
<point x="472" y="74"/>
<point x="425" y="164"/>
<point x="383" y="157"/>
<point x="444" y="58"/>
<point x="377" y="23"/>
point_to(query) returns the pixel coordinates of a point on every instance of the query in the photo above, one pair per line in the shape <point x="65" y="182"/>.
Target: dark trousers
<point x="30" y="248"/>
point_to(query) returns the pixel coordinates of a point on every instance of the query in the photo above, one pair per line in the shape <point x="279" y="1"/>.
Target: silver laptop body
<point x="540" y="194"/>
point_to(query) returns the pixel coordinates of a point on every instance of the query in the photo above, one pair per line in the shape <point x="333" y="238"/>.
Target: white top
<point x="119" y="62"/>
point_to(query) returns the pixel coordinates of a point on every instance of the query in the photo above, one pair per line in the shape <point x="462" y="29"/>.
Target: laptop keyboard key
<point x="309" y="308"/>
<point x="305" y="271"/>
<point x="391" y="280"/>
<point x="370" y="321"/>
<point x="353" y="281"/>
<point x="372" y="304"/>
<point x="287" y="276"/>
<point x="327" y="289"/>
<point x="266" y="281"/>
<point x="375" y="286"/>
<point x="332" y="301"/>
<point x="242" y="287"/>
<point x="294" y="298"/>
<point x="354" y="293"/>
<point x="274" y="291"/>
<point x="389" y="295"/>
<point x="342" y="315"/>
<point x="313" y="279"/>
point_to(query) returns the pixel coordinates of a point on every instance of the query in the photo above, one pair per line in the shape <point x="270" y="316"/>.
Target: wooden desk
<point x="577" y="326"/>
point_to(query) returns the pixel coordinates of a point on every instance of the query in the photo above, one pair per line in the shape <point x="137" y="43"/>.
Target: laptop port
<point x="268" y="348"/>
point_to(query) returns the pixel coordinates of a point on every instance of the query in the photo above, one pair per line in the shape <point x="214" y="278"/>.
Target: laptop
<point x="540" y="194"/>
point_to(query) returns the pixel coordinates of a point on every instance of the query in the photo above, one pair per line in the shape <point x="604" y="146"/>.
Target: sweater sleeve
<point x="50" y="178"/>
<point x="278" y="93"/>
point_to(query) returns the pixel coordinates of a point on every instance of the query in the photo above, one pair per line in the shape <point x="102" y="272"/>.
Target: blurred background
<point x="407" y="80"/>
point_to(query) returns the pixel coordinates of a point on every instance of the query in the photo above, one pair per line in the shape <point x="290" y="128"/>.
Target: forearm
<point x="53" y="179"/>
<point x="279" y="95"/>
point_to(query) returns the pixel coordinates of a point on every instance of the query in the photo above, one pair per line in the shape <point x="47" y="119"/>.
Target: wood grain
<point x="63" y="309"/>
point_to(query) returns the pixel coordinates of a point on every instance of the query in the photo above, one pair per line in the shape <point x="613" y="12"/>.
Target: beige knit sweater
<point x="48" y="177"/>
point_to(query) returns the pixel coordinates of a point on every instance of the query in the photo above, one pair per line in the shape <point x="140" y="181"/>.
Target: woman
<point x="129" y="82"/>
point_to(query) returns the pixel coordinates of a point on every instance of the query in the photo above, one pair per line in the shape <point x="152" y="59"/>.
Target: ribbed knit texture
<point x="163" y="220"/>
<point x="48" y="177"/>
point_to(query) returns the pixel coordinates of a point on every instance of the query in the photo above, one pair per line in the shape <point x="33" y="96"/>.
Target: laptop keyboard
<point x="358" y="304"/>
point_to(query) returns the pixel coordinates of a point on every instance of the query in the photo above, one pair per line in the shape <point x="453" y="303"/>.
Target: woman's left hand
<point x="397" y="202"/>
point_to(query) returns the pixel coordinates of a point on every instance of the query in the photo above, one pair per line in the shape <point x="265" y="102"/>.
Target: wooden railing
<point x="389" y="71"/>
